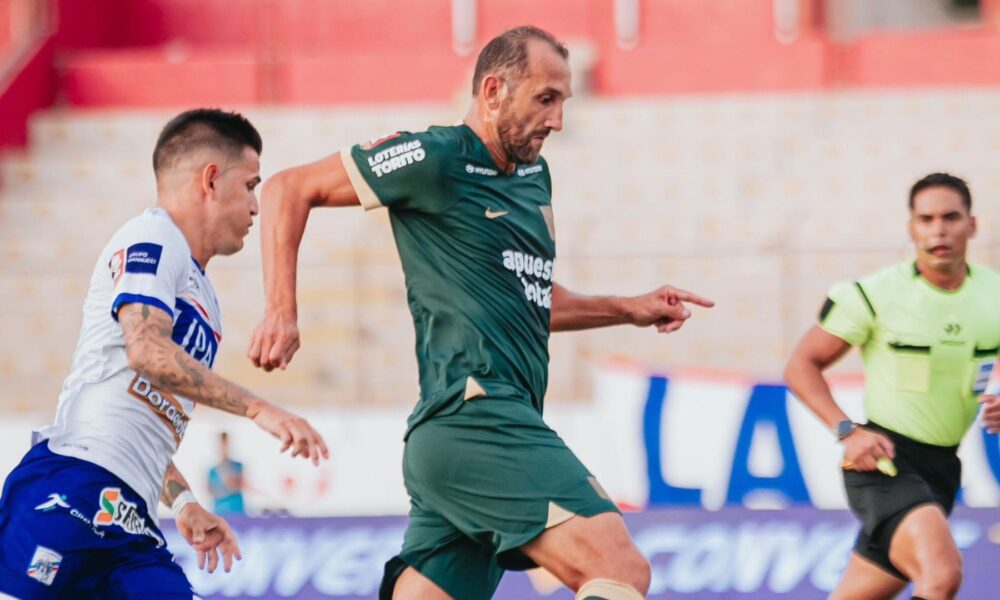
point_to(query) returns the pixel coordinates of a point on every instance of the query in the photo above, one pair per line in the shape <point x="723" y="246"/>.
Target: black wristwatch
<point x="844" y="429"/>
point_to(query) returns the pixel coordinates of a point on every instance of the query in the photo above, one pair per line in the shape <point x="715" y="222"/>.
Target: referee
<point x="929" y="330"/>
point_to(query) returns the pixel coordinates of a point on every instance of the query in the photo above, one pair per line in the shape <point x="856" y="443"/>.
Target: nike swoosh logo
<point x="493" y="215"/>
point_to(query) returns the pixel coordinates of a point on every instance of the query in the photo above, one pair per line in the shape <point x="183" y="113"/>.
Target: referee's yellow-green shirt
<point x="927" y="352"/>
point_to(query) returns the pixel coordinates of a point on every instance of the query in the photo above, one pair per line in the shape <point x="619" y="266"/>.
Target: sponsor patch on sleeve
<point x="116" y="265"/>
<point x="396" y="157"/>
<point x="143" y="258"/>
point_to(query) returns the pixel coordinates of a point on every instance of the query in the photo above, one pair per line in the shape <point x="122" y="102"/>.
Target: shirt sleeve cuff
<point x="138" y="299"/>
<point x="849" y="337"/>
<point x="366" y="195"/>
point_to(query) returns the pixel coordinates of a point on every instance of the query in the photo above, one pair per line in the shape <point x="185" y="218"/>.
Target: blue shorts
<point x="69" y="528"/>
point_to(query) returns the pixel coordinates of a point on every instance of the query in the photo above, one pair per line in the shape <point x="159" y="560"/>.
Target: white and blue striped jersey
<point x="108" y="414"/>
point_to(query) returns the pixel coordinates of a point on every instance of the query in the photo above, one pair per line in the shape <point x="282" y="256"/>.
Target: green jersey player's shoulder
<point x="450" y="134"/>
<point x="433" y="138"/>
<point x="442" y="144"/>
<point x="446" y="137"/>
<point x="404" y="170"/>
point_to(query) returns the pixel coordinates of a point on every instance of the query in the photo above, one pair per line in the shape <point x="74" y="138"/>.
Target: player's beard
<point x="516" y="146"/>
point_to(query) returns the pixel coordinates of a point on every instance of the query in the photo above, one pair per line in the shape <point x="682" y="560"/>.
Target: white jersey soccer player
<point x="77" y="515"/>
<point x="108" y="414"/>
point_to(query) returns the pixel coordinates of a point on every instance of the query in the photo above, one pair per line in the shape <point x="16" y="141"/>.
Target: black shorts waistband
<point x="911" y="444"/>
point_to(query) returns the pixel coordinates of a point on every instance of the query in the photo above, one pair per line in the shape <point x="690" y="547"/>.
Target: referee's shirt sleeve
<point x="847" y="313"/>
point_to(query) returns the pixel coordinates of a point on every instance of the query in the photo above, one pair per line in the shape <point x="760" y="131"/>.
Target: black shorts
<point x="928" y="474"/>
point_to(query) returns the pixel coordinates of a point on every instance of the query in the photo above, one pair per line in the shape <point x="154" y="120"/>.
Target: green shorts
<point x="483" y="482"/>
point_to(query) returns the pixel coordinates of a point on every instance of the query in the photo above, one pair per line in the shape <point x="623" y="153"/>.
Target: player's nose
<point x="555" y="119"/>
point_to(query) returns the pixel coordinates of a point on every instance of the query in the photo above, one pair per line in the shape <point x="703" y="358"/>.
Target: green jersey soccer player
<point x="492" y="487"/>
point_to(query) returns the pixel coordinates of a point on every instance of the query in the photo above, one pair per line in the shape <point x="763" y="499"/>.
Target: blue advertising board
<point x="797" y="553"/>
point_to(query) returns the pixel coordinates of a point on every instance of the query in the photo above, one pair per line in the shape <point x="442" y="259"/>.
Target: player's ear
<point x="209" y="175"/>
<point x="973" y="226"/>
<point x="493" y="91"/>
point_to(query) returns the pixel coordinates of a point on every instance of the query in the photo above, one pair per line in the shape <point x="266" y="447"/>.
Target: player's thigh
<point x="864" y="580"/>
<point x="413" y="585"/>
<point x="586" y="548"/>
<point x="143" y="572"/>
<point x="500" y="475"/>
<point x="439" y="561"/>
<point x="923" y="542"/>
<point x="44" y="552"/>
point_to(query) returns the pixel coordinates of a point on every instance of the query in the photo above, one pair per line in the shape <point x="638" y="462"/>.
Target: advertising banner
<point x="732" y="553"/>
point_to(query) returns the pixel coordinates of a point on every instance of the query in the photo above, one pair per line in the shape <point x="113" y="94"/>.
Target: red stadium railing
<point x="145" y="53"/>
<point x="315" y="51"/>
<point x="27" y="81"/>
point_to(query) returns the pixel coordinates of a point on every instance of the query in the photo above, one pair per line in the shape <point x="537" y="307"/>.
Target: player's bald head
<point x="228" y="133"/>
<point x="507" y="55"/>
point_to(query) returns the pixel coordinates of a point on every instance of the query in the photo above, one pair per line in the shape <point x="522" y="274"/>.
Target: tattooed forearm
<point x="183" y="361"/>
<point x="154" y="324"/>
<point x="154" y="355"/>
<point x="174" y="485"/>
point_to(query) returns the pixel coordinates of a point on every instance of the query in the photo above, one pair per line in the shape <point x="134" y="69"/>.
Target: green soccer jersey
<point x="927" y="352"/>
<point x="477" y="247"/>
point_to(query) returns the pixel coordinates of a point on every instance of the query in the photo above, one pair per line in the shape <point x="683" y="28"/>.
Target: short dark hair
<point x="943" y="180"/>
<point x="229" y="132"/>
<point x="509" y="51"/>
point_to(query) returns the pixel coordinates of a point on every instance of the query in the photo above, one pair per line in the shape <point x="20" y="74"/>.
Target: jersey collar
<point x="916" y="270"/>
<point x="485" y="155"/>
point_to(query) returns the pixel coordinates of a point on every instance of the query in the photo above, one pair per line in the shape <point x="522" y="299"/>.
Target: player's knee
<point x="941" y="580"/>
<point x="607" y="589"/>
<point x="630" y="568"/>
<point x="641" y="574"/>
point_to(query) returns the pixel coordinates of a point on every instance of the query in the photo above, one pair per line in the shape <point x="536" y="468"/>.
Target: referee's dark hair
<point x="507" y="53"/>
<point x="943" y="180"/>
<point x="229" y="132"/>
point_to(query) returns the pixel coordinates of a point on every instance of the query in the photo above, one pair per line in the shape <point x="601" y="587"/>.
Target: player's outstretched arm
<point x="285" y="201"/>
<point x="154" y="355"/>
<point x="663" y="308"/>
<point x="817" y="350"/>
<point x="208" y="534"/>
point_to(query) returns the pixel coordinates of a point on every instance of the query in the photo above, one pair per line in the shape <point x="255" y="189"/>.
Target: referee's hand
<point x="991" y="413"/>
<point x="863" y="448"/>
